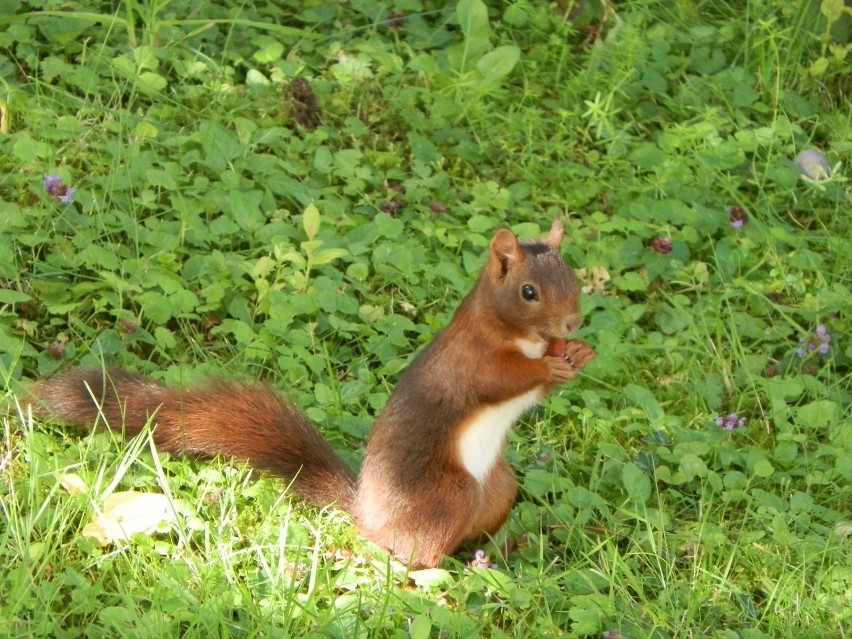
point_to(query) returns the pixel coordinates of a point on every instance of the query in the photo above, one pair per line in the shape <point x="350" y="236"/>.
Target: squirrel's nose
<point x="574" y="322"/>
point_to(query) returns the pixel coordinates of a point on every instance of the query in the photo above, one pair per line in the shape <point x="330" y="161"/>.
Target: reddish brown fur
<point x="432" y="497"/>
<point x="414" y="496"/>
<point x="496" y="500"/>
<point x="250" y="423"/>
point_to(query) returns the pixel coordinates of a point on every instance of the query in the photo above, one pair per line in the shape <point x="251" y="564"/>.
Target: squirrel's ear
<point x="505" y="252"/>
<point x="557" y="231"/>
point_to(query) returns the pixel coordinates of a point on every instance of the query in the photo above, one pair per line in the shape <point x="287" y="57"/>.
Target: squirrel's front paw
<point x="578" y="353"/>
<point x="559" y="369"/>
<point x="566" y="357"/>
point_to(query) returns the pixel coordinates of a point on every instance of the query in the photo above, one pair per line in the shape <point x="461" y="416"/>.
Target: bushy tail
<point x="250" y="423"/>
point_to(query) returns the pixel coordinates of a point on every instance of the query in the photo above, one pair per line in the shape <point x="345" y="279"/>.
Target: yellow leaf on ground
<point x="127" y="513"/>
<point x="73" y="484"/>
<point x="594" y="279"/>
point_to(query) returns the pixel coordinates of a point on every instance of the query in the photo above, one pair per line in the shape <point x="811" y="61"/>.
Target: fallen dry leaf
<point x="73" y="484"/>
<point x="594" y="279"/>
<point x="127" y="513"/>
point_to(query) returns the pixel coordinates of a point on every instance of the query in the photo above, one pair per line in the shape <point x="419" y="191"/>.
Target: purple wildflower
<point x="55" y="186"/>
<point x="662" y="245"/>
<point x="437" y="207"/>
<point x="819" y="342"/>
<point x="738" y="216"/>
<point x="481" y="560"/>
<point x="396" y="19"/>
<point x="56" y="350"/>
<point x="824" y="338"/>
<point x="392" y="206"/>
<point x="731" y="422"/>
<point x="612" y="634"/>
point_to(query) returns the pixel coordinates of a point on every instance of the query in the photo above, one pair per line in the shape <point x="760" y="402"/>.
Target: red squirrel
<point x="433" y="475"/>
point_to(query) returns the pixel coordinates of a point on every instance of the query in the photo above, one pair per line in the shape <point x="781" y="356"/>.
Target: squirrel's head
<point x="532" y="288"/>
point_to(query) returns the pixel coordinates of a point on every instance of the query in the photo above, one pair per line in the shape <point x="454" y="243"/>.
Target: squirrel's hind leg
<point x="497" y="496"/>
<point x="422" y="525"/>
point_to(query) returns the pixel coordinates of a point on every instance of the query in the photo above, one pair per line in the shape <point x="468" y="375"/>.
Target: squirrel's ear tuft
<point x="505" y="251"/>
<point x="557" y="231"/>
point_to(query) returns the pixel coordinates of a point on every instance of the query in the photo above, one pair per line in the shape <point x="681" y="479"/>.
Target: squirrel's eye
<point x="529" y="293"/>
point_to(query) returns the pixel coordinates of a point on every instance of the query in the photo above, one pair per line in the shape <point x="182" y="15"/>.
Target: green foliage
<point x="228" y="219"/>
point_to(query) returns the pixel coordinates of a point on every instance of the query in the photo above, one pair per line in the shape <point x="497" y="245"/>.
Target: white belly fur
<point x="482" y="438"/>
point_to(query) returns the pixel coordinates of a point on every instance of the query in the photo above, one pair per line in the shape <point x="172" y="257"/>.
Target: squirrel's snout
<point x="574" y="322"/>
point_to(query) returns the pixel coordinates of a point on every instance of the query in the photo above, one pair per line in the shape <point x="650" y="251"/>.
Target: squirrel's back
<point x="249" y="422"/>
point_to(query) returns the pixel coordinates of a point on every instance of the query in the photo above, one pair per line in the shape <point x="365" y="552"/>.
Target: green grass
<point x="191" y="248"/>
